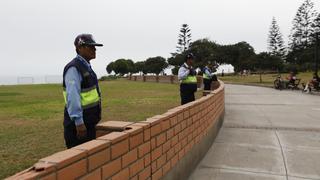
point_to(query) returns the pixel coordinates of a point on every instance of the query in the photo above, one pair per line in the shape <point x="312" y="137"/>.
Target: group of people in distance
<point x="188" y="80"/>
<point x="291" y="79"/>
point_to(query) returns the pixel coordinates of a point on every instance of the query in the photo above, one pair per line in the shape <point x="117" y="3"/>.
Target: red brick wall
<point x="144" y="150"/>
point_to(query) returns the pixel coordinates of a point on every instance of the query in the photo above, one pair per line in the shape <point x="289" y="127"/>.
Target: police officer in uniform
<point x="188" y="80"/>
<point x="207" y="76"/>
<point x="81" y="94"/>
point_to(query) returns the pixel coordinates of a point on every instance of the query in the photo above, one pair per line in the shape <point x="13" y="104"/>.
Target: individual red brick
<point x="99" y="158"/>
<point x="155" y="129"/>
<point x="134" y="177"/>
<point x="176" y="110"/>
<point x="147" y="160"/>
<point x="198" y="139"/>
<point x="144" y="149"/>
<point x="174" y="160"/>
<point x="181" y="153"/>
<point x="145" y="174"/>
<point x="186" y="114"/>
<point x="174" y="140"/>
<point x="194" y="118"/>
<point x="95" y="175"/>
<point x="170" y="154"/>
<point x="146" y="129"/>
<point x="166" y="146"/>
<point x="93" y="146"/>
<point x="170" y="133"/>
<point x="133" y="129"/>
<point x="177" y="129"/>
<point x="143" y="124"/>
<point x="188" y="148"/>
<point x="153" y="143"/>
<point x="111" y="168"/>
<point x="181" y="136"/>
<point x="129" y="158"/>
<point x="174" y="120"/>
<point x="147" y="134"/>
<point x="113" y="125"/>
<point x="166" y="168"/>
<point x="157" y="119"/>
<point x="180" y="117"/>
<point x="122" y="175"/>
<point x="64" y="158"/>
<point x="52" y="176"/>
<point x="136" y="140"/>
<point x="157" y="175"/>
<point x="114" y="137"/>
<point x="189" y="138"/>
<point x="154" y="167"/>
<point x="177" y="147"/>
<point x="189" y="121"/>
<point x="73" y="171"/>
<point x="119" y="149"/>
<point x="155" y="154"/>
<point x="189" y="130"/>
<point x="183" y="124"/>
<point x="184" y="142"/>
<point x="100" y="133"/>
<point x="165" y="124"/>
<point x="161" y="139"/>
<point x="44" y="167"/>
<point x="161" y="161"/>
<point x="136" y="167"/>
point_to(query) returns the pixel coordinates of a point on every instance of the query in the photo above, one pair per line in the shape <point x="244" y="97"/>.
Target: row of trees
<point x="301" y="50"/>
<point x="241" y="55"/>
<point x="154" y="65"/>
<point x="298" y="55"/>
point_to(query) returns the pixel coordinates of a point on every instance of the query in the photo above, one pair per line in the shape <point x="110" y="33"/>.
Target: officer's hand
<point x="81" y="131"/>
<point x="192" y="72"/>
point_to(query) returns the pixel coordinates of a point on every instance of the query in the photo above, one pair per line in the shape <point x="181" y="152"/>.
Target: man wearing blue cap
<point x="81" y="94"/>
<point x="188" y="80"/>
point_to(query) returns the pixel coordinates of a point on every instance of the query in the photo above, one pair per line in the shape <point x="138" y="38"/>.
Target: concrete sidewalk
<point x="267" y="134"/>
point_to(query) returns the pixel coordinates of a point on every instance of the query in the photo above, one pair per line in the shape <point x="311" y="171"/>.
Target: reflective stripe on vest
<point x="89" y="97"/>
<point x="190" y="80"/>
<point x="205" y="76"/>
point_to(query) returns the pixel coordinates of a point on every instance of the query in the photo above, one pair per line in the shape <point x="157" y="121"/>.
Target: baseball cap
<point x="85" y="40"/>
<point x="189" y="56"/>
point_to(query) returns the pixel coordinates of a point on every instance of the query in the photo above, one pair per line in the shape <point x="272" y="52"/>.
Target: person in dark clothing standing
<point x="188" y="80"/>
<point x="81" y="94"/>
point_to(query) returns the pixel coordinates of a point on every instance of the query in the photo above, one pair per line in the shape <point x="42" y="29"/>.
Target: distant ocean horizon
<point x="38" y="79"/>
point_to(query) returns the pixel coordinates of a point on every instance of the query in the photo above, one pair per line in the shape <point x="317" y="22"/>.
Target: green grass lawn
<point x="31" y="116"/>
<point x="267" y="79"/>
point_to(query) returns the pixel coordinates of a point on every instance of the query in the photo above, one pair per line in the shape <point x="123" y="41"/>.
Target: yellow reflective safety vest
<point x="205" y="75"/>
<point x="191" y="79"/>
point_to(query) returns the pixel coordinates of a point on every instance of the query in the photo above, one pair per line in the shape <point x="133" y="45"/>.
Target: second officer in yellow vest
<point x="188" y="80"/>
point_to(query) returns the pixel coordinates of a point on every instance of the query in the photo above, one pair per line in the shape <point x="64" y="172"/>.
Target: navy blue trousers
<point x="187" y="92"/>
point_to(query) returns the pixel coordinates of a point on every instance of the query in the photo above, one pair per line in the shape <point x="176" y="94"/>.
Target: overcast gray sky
<point x="37" y="35"/>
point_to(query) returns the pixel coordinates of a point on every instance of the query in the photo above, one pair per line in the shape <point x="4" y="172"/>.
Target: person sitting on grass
<point x="313" y="83"/>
